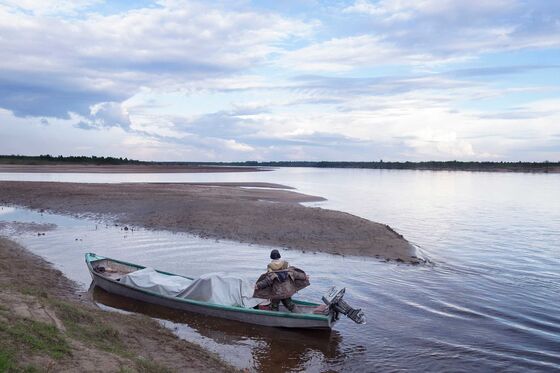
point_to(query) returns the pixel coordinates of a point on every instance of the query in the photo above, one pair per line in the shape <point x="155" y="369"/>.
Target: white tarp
<point x="215" y="288"/>
<point x="149" y="279"/>
<point x="222" y="289"/>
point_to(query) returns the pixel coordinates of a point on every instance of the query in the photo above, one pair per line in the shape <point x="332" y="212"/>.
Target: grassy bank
<point x="46" y="327"/>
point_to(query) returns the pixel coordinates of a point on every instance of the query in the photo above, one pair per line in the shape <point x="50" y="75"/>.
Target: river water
<point x="489" y="301"/>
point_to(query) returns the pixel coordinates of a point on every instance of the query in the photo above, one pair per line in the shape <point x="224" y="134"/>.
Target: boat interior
<point x="111" y="269"/>
<point x="114" y="271"/>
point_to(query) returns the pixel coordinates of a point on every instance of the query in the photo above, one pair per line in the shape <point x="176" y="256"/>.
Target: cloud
<point x="516" y="114"/>
<point x="50" y="7"/>
<point x="341" y="54"/>
<point x="236" y="146"/>
<point x="378" y="86"/>
<point x="404" y="10"/>
<point x="31" y="93"/>
<point x="51" y="66"/>
<point x="431" y="32"/>
<point x="222" y="124"/>
<point x="439" y="144"/>
<point x="105" y="115"/>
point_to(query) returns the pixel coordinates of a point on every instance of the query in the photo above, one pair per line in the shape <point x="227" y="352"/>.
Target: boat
<point x="106" y="273"/>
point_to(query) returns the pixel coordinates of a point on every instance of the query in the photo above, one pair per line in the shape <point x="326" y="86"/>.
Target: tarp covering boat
<point x="150" y="279"/>
<point x="217" y="288"/>
<point x="222" y="289"/>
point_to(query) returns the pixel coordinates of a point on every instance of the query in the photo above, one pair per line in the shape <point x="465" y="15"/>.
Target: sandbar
<point x="267" y="216"/>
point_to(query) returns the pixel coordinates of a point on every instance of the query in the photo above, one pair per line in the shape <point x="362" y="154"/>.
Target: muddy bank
<point x="261" y="216"/>
<point x="127" y="169"/>
<point x="45" y="326"/>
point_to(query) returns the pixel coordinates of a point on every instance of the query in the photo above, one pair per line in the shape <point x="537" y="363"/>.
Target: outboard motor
<point x="333" y="299"/>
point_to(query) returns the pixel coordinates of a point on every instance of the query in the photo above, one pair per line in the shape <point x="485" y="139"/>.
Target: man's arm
<point x="264" y="283"/>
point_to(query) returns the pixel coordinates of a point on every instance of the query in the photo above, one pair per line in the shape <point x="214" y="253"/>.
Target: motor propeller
<point x="333" y="299"/>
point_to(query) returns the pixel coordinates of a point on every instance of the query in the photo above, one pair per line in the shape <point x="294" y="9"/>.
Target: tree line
<point x="545" y="166"/>
<point x="49" y="159"/>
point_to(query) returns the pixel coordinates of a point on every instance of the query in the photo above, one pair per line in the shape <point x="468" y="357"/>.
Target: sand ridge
<point x="271" y="217"/>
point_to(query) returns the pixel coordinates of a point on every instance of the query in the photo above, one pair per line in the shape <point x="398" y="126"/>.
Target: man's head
<point x="274" y="254"/>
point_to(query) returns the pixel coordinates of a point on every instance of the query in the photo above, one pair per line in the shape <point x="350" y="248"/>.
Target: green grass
<point x="69" y="313"/>
<point x="21" y="337"/>
<point x="146" y="366"/>
<point x="41" y="293"/>
<point x="125" y="370"/>
<point x="87" y="327"/>
<point x="6" y="360"/>
<point x="32" y="369"/>
<point x="35" y="336"/>
<point x="91" y="329"/>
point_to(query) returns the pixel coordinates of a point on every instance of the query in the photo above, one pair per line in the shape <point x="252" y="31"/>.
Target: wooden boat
<point x="113" y="269"/>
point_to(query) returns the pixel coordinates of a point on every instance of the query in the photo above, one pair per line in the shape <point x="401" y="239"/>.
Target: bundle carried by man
<point x="280" y="284"/>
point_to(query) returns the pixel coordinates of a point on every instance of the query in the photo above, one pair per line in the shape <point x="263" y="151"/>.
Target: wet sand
<point x="46" y="326"/>
<point x="126" y="169"/>
<point x="270" y="217"/>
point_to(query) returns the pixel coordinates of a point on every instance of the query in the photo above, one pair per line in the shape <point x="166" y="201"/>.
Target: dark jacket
<point x="280" y="284"/>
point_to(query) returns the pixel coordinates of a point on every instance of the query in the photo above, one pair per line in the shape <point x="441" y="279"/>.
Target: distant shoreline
<point x="47" y="163"/>
<point x="123" y="168"/>
<point x="526" y="167"/>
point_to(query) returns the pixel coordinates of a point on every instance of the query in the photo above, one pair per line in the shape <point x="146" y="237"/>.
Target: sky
<point x="359" y="80"/>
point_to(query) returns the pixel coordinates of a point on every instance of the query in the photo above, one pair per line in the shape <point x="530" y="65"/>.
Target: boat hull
<point x="251" y="316"/>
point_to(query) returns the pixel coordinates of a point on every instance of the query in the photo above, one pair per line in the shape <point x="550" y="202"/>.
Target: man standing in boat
<point x="280" y="282"/>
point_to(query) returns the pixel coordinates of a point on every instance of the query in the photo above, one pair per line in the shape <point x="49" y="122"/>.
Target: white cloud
<point x="234" y="145"/>
<point x="108" y="114"/>
<point x="388" y="10"/>
<point x="49" y="7"/>
<point x="435" y="32"/>
<point x="440" y="144"/>
<point x="404" y="10"/>
<point x="341" y="54"/>
<point x="70" y="64"/>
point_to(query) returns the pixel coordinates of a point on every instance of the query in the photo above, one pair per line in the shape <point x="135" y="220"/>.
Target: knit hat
<point x="274" y="254"/>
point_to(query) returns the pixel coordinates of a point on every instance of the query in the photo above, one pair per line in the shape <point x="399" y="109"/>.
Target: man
<point x="280" y="282"/>
<point x="277" y="263"/>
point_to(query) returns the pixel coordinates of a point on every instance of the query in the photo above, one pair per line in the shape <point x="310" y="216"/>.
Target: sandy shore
<point x="45" y="326"/>
<point x="126" y="169"/>
<point x="262" y="216"/>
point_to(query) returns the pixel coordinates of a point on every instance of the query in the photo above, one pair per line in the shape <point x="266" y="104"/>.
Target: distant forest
<point x="427" y="165"/>
<point x="49" y="159"/>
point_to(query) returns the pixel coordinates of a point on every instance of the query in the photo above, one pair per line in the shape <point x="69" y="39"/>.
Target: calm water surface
<point x="489" y="302"/>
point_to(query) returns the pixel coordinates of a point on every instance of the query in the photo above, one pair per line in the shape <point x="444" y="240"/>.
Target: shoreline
<point x="46" y="324"/>
<point x="125" y="169"/>
<point x="270" y="217"/>
<point x="34" y="165"/>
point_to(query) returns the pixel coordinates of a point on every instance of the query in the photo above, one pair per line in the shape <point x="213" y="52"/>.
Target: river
<point x="488" y="301"/>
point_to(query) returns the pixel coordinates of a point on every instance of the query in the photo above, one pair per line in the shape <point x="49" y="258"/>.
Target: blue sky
<point x="281" y="80"/>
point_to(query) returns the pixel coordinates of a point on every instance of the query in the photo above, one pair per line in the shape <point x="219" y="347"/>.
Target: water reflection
<point x="267" y="349"/>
